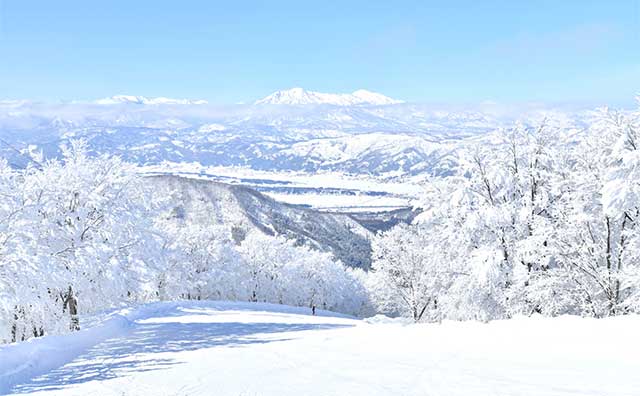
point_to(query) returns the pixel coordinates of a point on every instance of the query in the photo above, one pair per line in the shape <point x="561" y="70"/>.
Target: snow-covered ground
<point x="222" y="348"/>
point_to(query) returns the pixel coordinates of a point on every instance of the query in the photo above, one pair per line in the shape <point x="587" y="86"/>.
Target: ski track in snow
<point x="222" y="348"/>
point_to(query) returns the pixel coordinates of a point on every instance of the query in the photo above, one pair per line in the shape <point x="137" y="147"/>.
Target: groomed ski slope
<point x="224" y="348"/>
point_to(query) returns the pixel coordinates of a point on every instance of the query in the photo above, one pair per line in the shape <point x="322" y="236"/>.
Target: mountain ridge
<point x="300" y="96"/>
<point x="244" y="209"/>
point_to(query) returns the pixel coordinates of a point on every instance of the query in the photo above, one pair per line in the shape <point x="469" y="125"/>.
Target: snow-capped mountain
<point x="299" y="96"/>
<point x="120" y="99"/>
<point x="391" y="140"/>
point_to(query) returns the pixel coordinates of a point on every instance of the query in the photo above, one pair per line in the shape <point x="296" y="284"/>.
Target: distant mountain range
<point x="292" y="130"/>
<point x="293" y="97"/>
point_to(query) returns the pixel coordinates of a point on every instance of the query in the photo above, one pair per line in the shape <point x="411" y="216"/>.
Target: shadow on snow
<point x="135" y="352"/>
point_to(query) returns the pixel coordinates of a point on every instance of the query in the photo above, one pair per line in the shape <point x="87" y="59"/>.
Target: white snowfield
<point x="224" y="348"/>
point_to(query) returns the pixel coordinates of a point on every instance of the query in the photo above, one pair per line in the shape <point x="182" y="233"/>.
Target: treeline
<point x="540" y="220"/>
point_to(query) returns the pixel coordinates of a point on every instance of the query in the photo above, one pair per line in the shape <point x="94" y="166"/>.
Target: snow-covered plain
<point x="327" y="191"/>
<point x="224" y="348"/>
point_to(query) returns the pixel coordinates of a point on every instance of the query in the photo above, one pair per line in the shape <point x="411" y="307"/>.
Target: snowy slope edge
<point x="20" y="362"/>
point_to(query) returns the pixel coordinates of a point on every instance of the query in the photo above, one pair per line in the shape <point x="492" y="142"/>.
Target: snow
<point x="374" y="97"/>
<point x="299" y="96"/>
<point x="224" y="348"/>
<point x="36" y="356"/>
<point x="343" y="202"/>
<point x="304" y="188"/>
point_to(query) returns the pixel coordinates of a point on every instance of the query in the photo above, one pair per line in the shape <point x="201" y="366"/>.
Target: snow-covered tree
<point x="411" y="271"/>
<point x="78" y="223"/>
<point x="597" y="228"/>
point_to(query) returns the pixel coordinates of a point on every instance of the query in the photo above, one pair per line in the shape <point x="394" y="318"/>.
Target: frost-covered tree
<point x="281" y="272"/>
<point x="597" y="228"/>
<point x="542" y="220"/>
<point x="411" y="272"/>
<point x="491" y="218"/>
<point x="78" y="223"/>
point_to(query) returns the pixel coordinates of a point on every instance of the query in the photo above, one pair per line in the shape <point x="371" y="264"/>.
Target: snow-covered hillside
<point x="203" y="202"/>
<point x="203" y="348"/>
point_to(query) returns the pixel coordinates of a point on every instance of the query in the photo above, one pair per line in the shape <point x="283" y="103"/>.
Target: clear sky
<point x="230" y="51"/>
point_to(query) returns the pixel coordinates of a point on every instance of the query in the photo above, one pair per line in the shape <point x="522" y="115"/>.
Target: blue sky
<point x="230" y="51"/>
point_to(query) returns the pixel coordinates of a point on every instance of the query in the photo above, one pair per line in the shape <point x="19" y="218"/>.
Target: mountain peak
<point x="300" y="96"/>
